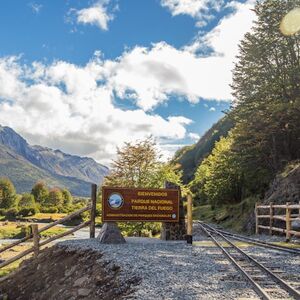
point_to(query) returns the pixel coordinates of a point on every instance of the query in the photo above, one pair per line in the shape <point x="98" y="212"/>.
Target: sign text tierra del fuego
<point x="135" y="204"/>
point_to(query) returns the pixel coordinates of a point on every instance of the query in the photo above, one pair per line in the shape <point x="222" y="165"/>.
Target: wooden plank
<point x="36" y="239"/>
<point x="28" y="251"/>
<point x="263" y="206"/>
<point x="296" y="233"/>
<point x="17" y="257"/>
<point x="263" y="216"/>
<point x="271" y="217"/>
<point x="277" y="217"/>
<point x="65" y="233"/>
<point x="68" y="217"/>
<point x="288" y="222"/>
<point x="45" y="228"/>
<point x="278" y="229"/>
<point x="93" y="210"/>
<point x="256" y="218"/>
<point x="189" y="219"/>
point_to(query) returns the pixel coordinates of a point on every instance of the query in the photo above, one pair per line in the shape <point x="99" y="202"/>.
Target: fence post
<point x="189" y="237"/>
<point x="256" y="218"/>
<point x="288" y="222"/>
<point x="36" y="239"/>
<point x="93" y="210"/>
<point x="271" y="217"/>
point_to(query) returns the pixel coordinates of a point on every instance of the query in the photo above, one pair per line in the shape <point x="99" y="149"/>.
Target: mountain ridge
<point x="59" y="168"/>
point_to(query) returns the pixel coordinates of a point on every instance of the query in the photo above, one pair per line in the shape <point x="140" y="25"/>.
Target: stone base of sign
<point x="110" y="234"/>
<point x="174" y="231"/>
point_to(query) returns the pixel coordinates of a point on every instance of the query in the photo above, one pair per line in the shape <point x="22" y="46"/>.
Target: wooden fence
<point x="286" y="213"/>
<point x="35" y="232"/>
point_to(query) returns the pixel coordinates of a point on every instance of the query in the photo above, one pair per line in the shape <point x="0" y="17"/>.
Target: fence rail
<point x="35" y="232"/>
<point x="291" y="213"/>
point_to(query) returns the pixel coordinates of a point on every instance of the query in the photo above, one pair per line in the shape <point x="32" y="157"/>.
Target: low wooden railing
<point x="273" y="214"/>
<point x="35" y="232"/>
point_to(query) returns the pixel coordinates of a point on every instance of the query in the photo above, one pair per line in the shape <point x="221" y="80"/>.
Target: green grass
<point x="52" y="232"/>
<point x="9" y="231"/>
<point x="47" y="216"/>
<point x="13" y="230"/>
<point x="233" y="216"/>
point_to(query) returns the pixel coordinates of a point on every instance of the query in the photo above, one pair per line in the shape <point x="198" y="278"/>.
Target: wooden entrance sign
<point x="136" y="204"/>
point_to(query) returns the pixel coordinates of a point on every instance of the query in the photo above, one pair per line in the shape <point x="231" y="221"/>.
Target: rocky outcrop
<point x="286" y="186"/>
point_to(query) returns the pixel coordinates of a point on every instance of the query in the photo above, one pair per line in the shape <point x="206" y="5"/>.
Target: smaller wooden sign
<point x="128" y="204"/>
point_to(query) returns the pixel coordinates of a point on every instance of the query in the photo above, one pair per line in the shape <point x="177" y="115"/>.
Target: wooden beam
<point x="189" y="219"/>
<point x="36" y="239"/>
<point x="288" y="222"/>
<point x="93" y="210"/>
<point x="72" y="215"/>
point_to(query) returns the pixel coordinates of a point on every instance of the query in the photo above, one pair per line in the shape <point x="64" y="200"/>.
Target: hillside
<point x="25" y="164"/>
<point x="190" y="157"/>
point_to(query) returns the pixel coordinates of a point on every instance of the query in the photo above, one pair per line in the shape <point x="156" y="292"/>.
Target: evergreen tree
<point x="266" y="85"/>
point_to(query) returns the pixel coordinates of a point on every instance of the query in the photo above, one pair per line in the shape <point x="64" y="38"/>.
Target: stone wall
<point x="174" y="231"/>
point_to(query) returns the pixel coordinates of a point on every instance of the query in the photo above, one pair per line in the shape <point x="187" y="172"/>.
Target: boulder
<point x="110" y="234"/>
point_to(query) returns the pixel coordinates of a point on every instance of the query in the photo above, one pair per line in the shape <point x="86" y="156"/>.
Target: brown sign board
<point x="135" y="204"/>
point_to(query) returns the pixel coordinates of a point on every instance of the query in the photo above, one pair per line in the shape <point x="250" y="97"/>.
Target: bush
<point x="28" y="211"/>
<point x="50" y="210"/>
<point x="11" y="213"/>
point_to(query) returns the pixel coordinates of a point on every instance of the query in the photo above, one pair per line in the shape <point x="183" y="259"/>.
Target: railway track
<point x="265" y="282"/>
<point x="257" y="242"/>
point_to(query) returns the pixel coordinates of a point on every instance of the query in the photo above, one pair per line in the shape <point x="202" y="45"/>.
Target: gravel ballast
<point x="172" y="270"/>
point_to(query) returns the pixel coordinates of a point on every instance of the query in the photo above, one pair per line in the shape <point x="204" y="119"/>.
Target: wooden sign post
<point x="189" y="236"/>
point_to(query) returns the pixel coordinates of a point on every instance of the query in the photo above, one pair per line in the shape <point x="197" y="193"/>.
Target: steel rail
<point x="283" y="284"/>
<point x="259" y="290"/>
<point x="259" y="243"/>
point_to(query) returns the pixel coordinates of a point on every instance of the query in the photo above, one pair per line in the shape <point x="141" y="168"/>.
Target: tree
<point x="40" y="192"/>
<point x="67" y="197"/>
<point x="266" y="88"/>
<point x="7" y="194"/>
<point x="139" y="165"/>
<point x="55" y="198"/>
<point x="219" y="179"/>
<point x="27" y="205"/>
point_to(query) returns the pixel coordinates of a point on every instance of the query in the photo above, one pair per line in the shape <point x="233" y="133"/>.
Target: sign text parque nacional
<point x="135" y="204"/>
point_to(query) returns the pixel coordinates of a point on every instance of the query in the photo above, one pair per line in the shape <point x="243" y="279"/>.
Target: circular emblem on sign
<point x="174" y="216"/>
<point x="115" y="200"/>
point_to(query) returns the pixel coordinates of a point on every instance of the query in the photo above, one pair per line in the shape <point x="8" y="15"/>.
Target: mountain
<point x="190" y="157"/>
<point x="25" y="164"/>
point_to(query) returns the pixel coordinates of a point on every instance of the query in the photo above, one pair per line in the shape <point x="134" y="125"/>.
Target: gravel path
<point x="173" y="270"/>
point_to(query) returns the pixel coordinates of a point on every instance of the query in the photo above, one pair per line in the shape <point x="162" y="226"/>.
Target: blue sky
<point x="85" y="76"/>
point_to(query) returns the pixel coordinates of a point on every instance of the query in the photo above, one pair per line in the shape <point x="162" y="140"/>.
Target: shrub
<point x="11" y="213"/>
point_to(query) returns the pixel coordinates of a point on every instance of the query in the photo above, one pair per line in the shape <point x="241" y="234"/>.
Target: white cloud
<point x="35" y="7"/>
<point x="194" y="136"/>
<point x="72" y="107"/>
<point x="150" y="75"/>
<point x="212" y="109"/>
<point x="202" y="10"/>
<point x="95" y="15"/>
<point x="63" y="106"/>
